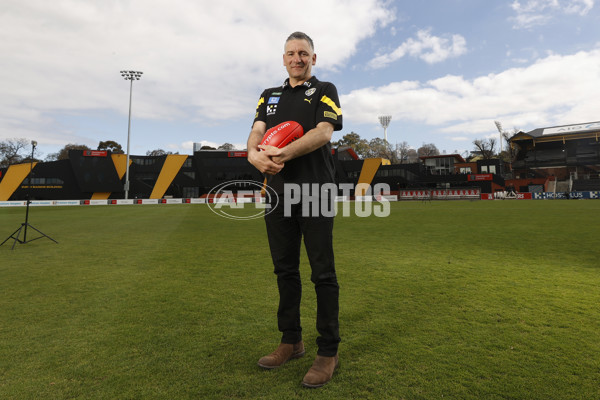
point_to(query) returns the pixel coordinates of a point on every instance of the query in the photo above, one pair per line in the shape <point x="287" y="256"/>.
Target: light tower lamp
<point x="384" y="120"/>
<point x="499" y="127"/>
<point x="129" y="76"/>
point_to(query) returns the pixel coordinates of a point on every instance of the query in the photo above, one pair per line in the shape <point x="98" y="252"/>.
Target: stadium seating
<point x="582" y="185"/>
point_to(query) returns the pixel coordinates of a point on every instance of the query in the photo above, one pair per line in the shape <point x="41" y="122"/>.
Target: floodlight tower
<point x="499" y="127"/>
<point x="129" y="76"/>
<point x="384" y="120"/>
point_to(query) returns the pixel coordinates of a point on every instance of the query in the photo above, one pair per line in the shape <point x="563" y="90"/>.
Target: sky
<point x="445" y="70"/>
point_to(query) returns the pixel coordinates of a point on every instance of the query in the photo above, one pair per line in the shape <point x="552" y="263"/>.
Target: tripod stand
<point x="23" y="228"/>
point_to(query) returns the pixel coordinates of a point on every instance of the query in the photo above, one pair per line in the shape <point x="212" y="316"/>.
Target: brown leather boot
<point x="321" y="371"/>
<point x="281" y="355"/>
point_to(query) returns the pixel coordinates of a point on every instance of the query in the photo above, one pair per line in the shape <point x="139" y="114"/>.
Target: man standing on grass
<point x="315" y="106"/>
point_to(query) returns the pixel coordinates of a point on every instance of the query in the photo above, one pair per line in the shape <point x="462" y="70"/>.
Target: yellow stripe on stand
<point x="367" y="173"/>
<point x="120" y="163"/>
<point x="15" y="175"/>
<point x="100" y="195"/>
<point x="169" y="171"/>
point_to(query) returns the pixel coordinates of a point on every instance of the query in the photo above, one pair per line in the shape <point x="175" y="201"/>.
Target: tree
<point x="382" y="148"/>
<point x="412" y="156"/>
<point x="63" y="154"/>
<point x="158" y="152"/>
<point x="111" y="145"/>
<point x="226" y="146"/>
<point x="485" y="147"/>
<point x="352" y="139"/>
<point x="510" y="153"/>
<point x="12" y="151"/>
<point x="205" y="147"/>
<point x="427" y="150"/>
<point x="402" y="151"/>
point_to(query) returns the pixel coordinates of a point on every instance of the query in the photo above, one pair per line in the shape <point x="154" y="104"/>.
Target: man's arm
<point x="311" y="141"/>
<point x="260" y="159"/>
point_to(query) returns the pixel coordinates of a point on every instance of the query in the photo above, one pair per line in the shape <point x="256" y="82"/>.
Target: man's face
<point x="298" y="59"/>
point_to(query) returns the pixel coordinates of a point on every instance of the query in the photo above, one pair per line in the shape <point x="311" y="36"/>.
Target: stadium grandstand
<point x="99" y="175"/>
<point x="567" y="157"/>
<point x="559" y="159"/>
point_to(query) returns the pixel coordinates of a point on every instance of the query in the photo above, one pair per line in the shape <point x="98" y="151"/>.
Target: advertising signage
<point x="95" y="153"/>
<point x="237" y="154"/>
<point x="480" y="177"/>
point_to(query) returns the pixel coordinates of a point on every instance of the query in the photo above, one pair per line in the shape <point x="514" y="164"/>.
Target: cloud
<point x="553" y="90"/>
<point x="202" y="61"/>
<point x="539" y="12"/>
<point x="431" y="49"/>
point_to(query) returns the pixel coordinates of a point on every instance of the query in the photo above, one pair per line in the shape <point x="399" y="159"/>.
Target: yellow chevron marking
<point x="170" y="169"/>
<point x="120" y="163"/>
<point x="100" y="196"/>
<point x="262" y="100"/>
<point x="367" y="173"/>
<point x="15" y="175"/>
<point x="331" y="104"/>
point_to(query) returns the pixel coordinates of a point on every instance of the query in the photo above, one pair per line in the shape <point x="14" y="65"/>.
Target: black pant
<point x="285" y="234"/>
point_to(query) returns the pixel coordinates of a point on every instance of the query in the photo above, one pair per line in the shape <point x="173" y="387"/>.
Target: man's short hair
<point x="301" y="36"/>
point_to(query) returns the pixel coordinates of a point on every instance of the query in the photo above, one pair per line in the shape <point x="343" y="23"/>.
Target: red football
<point x="283" y="134"/>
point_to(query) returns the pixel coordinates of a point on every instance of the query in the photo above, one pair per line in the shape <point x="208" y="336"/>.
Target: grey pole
<point x="129" y="76"/>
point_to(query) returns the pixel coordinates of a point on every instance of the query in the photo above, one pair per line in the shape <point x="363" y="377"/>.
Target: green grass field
<point x="458" y="300"/>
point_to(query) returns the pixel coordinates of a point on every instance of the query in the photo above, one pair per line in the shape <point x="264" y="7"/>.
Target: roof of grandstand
<point x="457" y="157"/>
<point x="562" y="132"/>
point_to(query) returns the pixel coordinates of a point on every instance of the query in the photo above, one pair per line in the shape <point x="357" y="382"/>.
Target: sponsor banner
<point x="38" y="203"/>
<point x="122" y="202"/>
<point x="97" y="202"/>
<point x="545" y="196"/>
<point x="197" y="201"/>
<point x="414" y="194"/>
<point x="363" y="198"/>
<point x="147" y="201"/>
<point x="515" y="196"/>
<point x="95" y="153"/>
<point x="43" y="203"/>
<point x="437" y="194"/>
<point x="564" y="196"/>
<point x="480" y="177"/>
<point x="524" y="196"/>
<point x="386" y="197"/>
<point x="440" y="194"/>
<point x="236" y="154"/>
<point x="572" y="128"/>
<point x="12" y="203"/>
<point x="456" y="193"/>
<point x="66" y="202"/>
<point x="171" y="201"/>
<point x="222" y="200"/>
